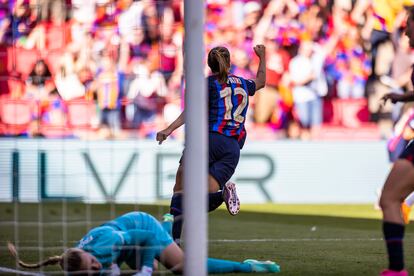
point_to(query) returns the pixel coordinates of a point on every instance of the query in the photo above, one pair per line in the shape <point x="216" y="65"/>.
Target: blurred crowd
<point x="329" y="62"/>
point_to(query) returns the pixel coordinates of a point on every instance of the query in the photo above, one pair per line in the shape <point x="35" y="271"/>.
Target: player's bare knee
<point x="383" y="203"/>
<point x="389" y="200"/>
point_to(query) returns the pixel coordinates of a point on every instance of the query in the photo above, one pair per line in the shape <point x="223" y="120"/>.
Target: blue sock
<point x="224" y="266"/>
<point x="214" y="200"/>
<point x="177" y="228"/>
<point x="176" y="210"/>
<point x="394" y="235"/>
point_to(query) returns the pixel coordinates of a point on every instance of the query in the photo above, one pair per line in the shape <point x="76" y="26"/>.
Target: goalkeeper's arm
<point x="148" y="247"/>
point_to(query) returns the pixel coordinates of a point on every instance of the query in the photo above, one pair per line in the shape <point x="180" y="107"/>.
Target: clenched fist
<point x="260" y="50"/>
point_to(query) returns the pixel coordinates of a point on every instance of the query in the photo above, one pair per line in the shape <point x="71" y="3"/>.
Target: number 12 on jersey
<point x="226" y="93"/>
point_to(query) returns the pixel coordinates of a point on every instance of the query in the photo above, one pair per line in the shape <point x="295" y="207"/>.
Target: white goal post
<point x="196" y="141"/>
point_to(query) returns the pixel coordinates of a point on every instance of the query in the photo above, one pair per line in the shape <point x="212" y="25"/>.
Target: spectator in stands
<point x="20" y="23"/>
<point x="53" y="33"/>
<point x="106" y="39"/>
<point x="84" y="10"/>
<point x="313" y="20"/>
<point x="53" y="112"/>
<point x="252" y="11"/>
<point x="106" y="13"/>
<point x="39" y="84"/>
<point x="4" y="19"/>
<point x="171" y="46"/>
<point x="87" y="55"/>
<point x="85" y="76"/>
<point x="169" y="51"/>
<point x="308" y="103"/>
<point x="309" y="81"/>
<point x="150" y="23"/>
<point x="108" y="95"/>
<point x="67" y="81"/>
<point x="48" y="7"/>
<point x="150" y="34"/>
<point x="4" y="9"/>
<point x="386" y="17"/>
<point x="349" y="66"/>
<point x="131" y="18"/>
<point x="133" y="46"/>
<point x="40" y="88"/>
<point x="15" y="85"/>
<point x="147" y="91"/>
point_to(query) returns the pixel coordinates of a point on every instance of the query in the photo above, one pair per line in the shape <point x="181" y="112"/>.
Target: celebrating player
<point x="228" y="102"/>
<point x="136" y="239"/>
<point x="399" y="184"/>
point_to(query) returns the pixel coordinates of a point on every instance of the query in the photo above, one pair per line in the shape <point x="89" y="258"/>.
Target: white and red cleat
<point x="231" y="199"/>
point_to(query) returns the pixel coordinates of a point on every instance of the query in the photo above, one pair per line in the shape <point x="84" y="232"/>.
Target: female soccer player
<point x="399" y="184"/>
<point x="228" y="102"/>
<point x="136" y="239"/>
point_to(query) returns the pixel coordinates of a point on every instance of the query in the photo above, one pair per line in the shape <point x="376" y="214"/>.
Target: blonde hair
<point x="71" y="260"/>
<point x="219" y="62"/>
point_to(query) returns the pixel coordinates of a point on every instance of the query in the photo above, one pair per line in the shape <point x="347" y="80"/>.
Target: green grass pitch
<point x="303" y="239"/>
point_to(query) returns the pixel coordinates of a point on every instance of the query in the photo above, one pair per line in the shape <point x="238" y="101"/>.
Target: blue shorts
<point x="223" y="157"/>
<point x="143" y="221"/>
<point x="408" y="152"/>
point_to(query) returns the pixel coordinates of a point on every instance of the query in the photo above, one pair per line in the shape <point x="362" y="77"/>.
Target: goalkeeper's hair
<point x="70" y="260"/>
<point x="219" y="62"/>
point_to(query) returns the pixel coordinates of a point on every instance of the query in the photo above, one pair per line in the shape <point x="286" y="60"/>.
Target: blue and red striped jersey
<point x="228" y="105"/>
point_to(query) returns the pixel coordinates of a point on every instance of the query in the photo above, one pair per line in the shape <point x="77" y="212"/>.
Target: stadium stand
<point x="74" y="38"/>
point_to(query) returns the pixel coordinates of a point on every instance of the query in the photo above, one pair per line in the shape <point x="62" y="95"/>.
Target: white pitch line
<point x="296" y="240"/>
<point x="45" y="223"/>
<point x="28" y="247"/>
<point x="20" y="272"/>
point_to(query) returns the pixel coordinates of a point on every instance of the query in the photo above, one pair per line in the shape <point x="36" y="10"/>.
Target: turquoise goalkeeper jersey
<point x="135" y="239"/>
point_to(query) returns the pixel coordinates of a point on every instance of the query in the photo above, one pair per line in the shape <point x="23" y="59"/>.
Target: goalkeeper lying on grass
<point x="136" y="239"/>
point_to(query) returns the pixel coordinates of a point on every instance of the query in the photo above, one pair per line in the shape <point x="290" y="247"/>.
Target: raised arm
<point x="260" y="80"/>
<point x="273" y="9"/>
<point x="361" y="6"/>
<point x="163" y="134"/>
<point x="395" y="97"/>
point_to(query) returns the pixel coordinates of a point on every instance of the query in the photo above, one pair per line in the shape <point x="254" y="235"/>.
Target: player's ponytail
<point x="219" y="62"/>
<point x="68" y="261"/>
<point x="49" y="261"/>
